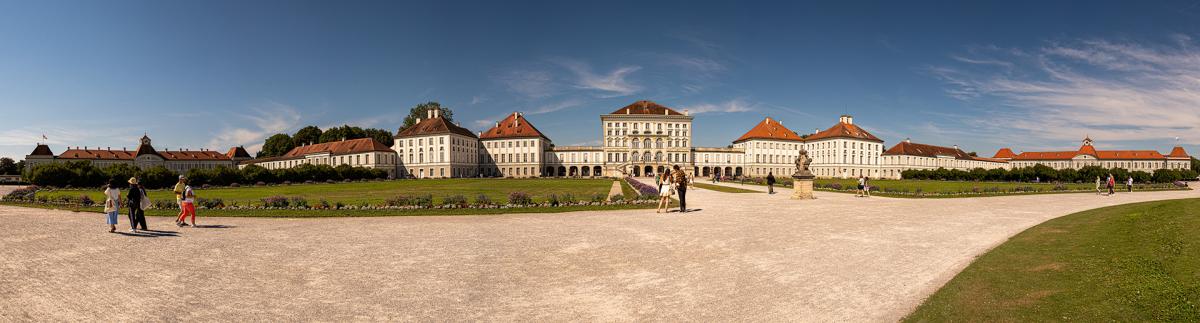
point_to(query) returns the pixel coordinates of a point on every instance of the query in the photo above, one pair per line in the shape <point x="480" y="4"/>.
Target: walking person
<point x="681" y="184"/>
<point x="134" y="201"/>
<point x="665" y="189"/>
<point x="112" y="204"/>
<point x="1109" y="184"/>
<point x="866" y="186"/>
<point x="1098" y="185"/>
<point x="861" y="183"/>
<point x="187" y="207"/>
<point x="1129" y="184"/>
<point x="179" y="186"/>
<point x="770" y="183"/>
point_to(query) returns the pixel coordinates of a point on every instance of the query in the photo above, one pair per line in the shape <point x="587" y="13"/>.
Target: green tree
<point x="158" y="177"/>
<point x="418" y="112"/>
<point x="382" y="136"/>
<point x="345" y="132"/>
<point x="307" y="136"/>
<point x="119" y="174"/>
<point x="276" y="145"/>
<point x="8" y="166"/>
<point x="1195" y="164"/>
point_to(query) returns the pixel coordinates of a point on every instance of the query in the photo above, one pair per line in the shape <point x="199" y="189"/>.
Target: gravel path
<point x="743" y="257"/>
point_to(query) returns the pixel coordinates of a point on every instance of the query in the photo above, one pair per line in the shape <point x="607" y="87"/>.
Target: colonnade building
<point x="144" y="157"/>
<point x="1088" y="155"/>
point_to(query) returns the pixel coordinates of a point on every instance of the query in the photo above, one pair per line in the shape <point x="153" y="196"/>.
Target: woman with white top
<point x="188" y="207"/>
<point x="665" y="188"/>
<point x="112" y="205"/>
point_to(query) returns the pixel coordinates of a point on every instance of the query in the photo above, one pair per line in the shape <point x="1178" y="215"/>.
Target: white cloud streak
<point x="612" y="84"/>
<point x="1111" y="91"/>
<point x="265" y="121"/>
<point x="731" y="106"/>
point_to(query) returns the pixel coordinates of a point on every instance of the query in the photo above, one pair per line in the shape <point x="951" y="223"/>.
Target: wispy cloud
<point x="1113" y="91"/>
<point x="264" y="121"/>
<point x="731" y="106"/>
<point x="547" y="108"/>
<point x="612" y="84"/>
<point x="533" y="84"/>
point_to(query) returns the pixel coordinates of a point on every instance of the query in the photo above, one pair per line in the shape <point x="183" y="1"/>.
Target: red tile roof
<point x="923" y="150"/>
<point x="514" y="126"/>
<point x="107" y="154"/>
<point x="434" y="126"/>
<point x="1091" y="151"/>
<point x="103" y="154"/>
<point x="769" y="129"/>
<point x="1004" y="153"/>
<point x="1178" y="152"/>
<point x="844" y="130"/>
<point x="192" y="155"/>
<point x="352" y="146"/>
<point x="647" y="107"/>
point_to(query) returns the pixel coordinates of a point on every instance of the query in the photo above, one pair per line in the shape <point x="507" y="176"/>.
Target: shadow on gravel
<point x="146" y="234"/>
<point x="214" y="226"/>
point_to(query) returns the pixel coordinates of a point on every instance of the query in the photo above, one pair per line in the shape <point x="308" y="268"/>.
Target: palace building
<point x="437" y="148"/>
<point x="1088" y="155"/>
<point x="144" y="157"/>
<point x="908" y="155"/>
<point x="641" y="139"/>
<point x="362" y="152"/>
<point x="513" y="148"/>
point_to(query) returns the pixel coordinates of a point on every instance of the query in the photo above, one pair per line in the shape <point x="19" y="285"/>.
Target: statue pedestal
<point x="802" y="188"/>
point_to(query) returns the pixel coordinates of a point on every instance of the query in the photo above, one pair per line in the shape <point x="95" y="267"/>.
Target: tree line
<point x="280" y="144"/>
<point x="84" y="174"/>
<point x="10" y="167"/>
<point x="1045" y="173"/>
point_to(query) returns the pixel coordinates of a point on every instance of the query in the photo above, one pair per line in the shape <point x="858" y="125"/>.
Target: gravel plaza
<point x="753" y="257"/>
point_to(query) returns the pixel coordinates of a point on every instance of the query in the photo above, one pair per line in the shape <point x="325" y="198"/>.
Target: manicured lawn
<point x="725" y="189"/>
<point x="375" y="193"/>
<point x="1127" y="263"/>
<point x="948" y="189"/>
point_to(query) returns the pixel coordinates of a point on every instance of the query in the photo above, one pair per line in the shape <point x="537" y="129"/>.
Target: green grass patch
<point x="725" y="189"/>
<point x="1127" y="263"/>
<point x="375" y="193"/>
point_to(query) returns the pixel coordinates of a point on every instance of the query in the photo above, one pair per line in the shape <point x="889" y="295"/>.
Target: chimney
<point x="847" y="119"/>
<point x="429" y="114"/>
<point x="666" y="112"/>
<point x="419" y="119"/>
<point x="955" y="147"/>
<point x="908" y="140"/>
<point x="815" y="130"/>
<point x="497" y="124"/>
<point x="685" y="112"/>
<point x="481" y="133"/>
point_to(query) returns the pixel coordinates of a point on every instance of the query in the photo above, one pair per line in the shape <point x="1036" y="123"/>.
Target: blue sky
<point x="213" y="74"/>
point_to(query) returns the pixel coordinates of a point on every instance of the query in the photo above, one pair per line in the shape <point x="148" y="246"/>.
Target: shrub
<point x="519" y="198"/>
<point x="86" y="200"/>
<point x="567" y="198"/>
<point x="455" y="200"/>
<point x="299" y="202"/>
<point x="552" y="199"/>
<point x="836" y="186"/>
<point x="598" y="198"/>
<point x="483" y="200"/>
<point x="164" y="204"/>
<point x="322" y="204"/>
<point x="275" y="201"/>
<point x="424" y="201"/>
<point x="398" y="200"/>
<point x="213" y="203"/>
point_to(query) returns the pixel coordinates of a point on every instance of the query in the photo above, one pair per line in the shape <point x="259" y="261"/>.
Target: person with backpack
<point x="187" y="207"/>
<point x="681" y="184"/>
<point x="136" y="199"/>
<point x="770" y="183"/>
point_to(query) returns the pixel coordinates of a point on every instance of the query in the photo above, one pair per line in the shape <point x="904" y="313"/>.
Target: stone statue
<point x="802" y="163"/>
